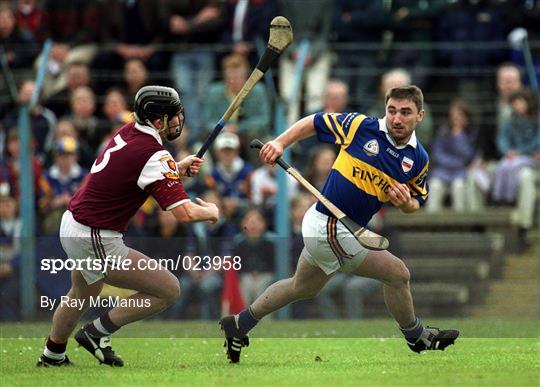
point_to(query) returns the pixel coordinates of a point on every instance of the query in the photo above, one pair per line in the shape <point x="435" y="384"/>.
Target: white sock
<point x="54" y="355"/>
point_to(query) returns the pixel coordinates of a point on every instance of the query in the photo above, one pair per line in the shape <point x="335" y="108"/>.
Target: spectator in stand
<point x="87" y="124"/>
<point x="197" y="23"/>
<point x="396" y="78"/>
<point x="77" y="74"/>
<point x="362" y="45"/>
<point x="312" y="20"/>
<point x="115" y="108"/>
<point x="255" y="248"/>
<point x="65" y="128"/>
<point x="216" y="238"/>
<point x="29" y="15"/>
<point x="135" y="76"/>
<point x="73" y="27"/>
<point x="248" y="21"/>
<point x="452" y="152"/>
<point x="336" y="97"/>
<point x="135" y="31"/>
<point x="114" y="115"/>
<point x="516" y="174"/>
<point x="10" y="233"/>
<point x="264" y="187"/>
<point x="19" y="45"/>
<point x="252" y="118"/>
<point x="10" y="168"/>
<point x="413" y="21"/>
<point x="64" y="178"/>
<point x="508" y="83"/>
<point x="72" y="24"/>
<point x="480" y="23"/>
<point x="231" y="175"/>
<point x="335" y="100"/>
<point x="42" y="120"/>
<point x="321" y="162"/>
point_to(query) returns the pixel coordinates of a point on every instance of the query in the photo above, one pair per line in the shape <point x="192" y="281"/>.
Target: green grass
<point x="332" y="353"/>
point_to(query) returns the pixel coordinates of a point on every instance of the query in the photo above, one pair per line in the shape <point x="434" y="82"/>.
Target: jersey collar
<point x="382" y="127"/>
<point x="148" y="130"/>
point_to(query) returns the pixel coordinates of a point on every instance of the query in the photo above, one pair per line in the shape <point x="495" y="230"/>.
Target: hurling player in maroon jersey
<point x="133" y="166"/>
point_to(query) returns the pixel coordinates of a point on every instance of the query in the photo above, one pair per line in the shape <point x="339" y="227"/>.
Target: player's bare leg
<point x="307" y="281"/>
<point x="157" y="289"/>
<point x="392" y="272"/>
<point x="65" y="319"/>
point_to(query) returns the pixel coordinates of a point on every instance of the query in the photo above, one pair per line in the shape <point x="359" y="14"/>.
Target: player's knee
<point x="400" y="274"/>
<point x="404" y="274"/>
<point x="171" y="292"/>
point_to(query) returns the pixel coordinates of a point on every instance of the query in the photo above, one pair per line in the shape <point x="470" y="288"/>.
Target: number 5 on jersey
<point x="120" y="143"/>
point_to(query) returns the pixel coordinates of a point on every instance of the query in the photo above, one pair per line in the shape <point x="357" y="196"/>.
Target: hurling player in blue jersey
<point x="380" y="160"/>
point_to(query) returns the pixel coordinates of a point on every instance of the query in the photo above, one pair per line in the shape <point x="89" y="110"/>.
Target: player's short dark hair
<point x="410" y="92"/>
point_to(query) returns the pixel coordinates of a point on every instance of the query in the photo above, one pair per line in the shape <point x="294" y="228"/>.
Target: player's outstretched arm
<point x="196" y="212"/>
<point x="298" y="131"/>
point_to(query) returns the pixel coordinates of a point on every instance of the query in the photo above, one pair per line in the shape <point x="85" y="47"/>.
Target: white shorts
<point x="92" y="249"/>
<point x="329" y="245"/>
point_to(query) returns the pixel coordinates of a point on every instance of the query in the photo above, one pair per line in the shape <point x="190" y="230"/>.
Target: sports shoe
<point x="434" y="338"/>
<point x="99" y="347"/>
<point x="45" y="361"/>
<point x="234" y="340"/>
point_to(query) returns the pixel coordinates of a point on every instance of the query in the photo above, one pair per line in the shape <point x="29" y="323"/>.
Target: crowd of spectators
<point x="104" y="51"/>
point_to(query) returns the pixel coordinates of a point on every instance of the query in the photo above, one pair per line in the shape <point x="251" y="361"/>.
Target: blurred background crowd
<point x="481" y="127"/>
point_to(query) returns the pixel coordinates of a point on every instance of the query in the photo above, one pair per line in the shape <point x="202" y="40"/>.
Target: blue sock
<point x="413" y="331"/>
<point x="246" y="321"/>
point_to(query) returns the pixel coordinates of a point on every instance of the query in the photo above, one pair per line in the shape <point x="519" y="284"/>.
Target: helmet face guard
<point x="159" y="102"/>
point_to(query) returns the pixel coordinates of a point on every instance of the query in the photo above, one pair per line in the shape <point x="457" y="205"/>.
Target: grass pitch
<point x="331" y="353"/>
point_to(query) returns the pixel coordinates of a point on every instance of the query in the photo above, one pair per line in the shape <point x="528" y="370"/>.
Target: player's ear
<point x="421" y="115"/>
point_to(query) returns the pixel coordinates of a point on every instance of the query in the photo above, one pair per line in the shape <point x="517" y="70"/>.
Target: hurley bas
<point x="94" y="302"/>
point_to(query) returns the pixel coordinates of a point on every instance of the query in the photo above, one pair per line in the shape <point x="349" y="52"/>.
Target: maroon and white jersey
<point x="132" y="166"/>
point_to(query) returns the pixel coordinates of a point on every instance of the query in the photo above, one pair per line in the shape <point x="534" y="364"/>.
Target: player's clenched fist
<point x="399" y="194"/>
<point x="271" y="151"/>
<point x="192" y="162"/>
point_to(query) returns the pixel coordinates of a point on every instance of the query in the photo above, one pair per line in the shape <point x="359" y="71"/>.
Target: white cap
<point x="227" y="140"/>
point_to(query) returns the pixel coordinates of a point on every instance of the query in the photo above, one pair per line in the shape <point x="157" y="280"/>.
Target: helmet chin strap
<point x="165" y="128"/>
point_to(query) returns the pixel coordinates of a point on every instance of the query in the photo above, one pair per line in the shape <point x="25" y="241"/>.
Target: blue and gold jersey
<point x="368" y="162"/>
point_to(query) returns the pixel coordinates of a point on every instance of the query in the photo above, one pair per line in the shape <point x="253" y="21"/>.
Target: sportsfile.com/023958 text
<point x="182" y="262"/>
